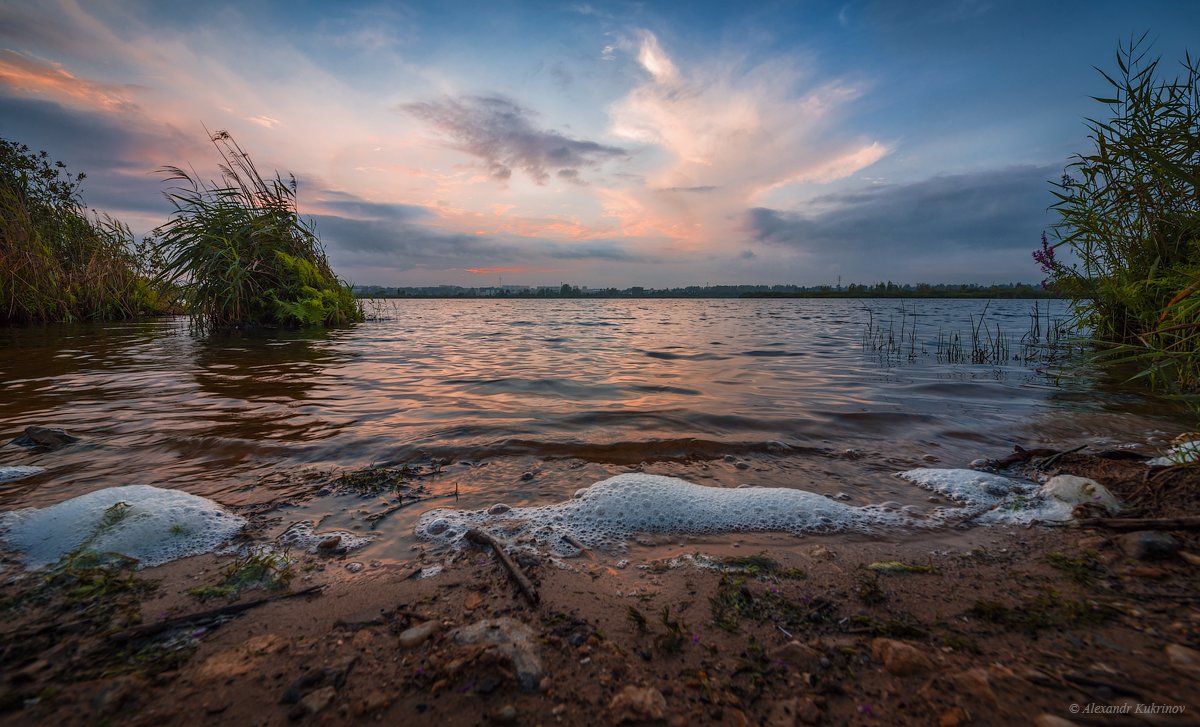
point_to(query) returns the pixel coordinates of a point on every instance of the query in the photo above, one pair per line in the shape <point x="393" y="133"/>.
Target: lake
<point x="527" y="400"/>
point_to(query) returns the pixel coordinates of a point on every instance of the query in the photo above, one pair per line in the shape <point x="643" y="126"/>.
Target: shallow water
<point x="568" y="391"/>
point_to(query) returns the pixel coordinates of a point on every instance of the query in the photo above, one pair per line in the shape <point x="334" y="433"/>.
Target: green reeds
<point x="57" y="261"/>
<point x="1129" y="211"/>
<point x="242" y="255"/>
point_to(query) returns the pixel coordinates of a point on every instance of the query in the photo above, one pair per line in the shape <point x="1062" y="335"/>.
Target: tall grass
<point x="241" y="253"/>
<point x="1129" y="210"/>
<point x="57" y="261"/>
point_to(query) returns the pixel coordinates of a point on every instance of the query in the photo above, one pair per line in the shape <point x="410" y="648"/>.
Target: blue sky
<point x="596" y="143"/>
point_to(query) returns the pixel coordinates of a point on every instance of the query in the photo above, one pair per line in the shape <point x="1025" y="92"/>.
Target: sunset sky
<point x="601" y="144"/>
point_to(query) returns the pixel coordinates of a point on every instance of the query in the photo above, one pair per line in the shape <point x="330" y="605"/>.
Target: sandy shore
<point x="977" y="626"/>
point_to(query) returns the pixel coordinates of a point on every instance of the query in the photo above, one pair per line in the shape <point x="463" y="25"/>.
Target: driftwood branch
<point x="477" y="536"/>
<point x="141" y="632"/>
<point x="1129" y="524"/>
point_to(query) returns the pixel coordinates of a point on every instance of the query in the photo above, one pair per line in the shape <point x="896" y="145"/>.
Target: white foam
<point x="996" y="500"/>
<point x="159" y="526"/>
<point x="8" y="474"/>
<point x="303" y="536"/>
<point x="1179" y="454"/>
<point x="608" y="513"/>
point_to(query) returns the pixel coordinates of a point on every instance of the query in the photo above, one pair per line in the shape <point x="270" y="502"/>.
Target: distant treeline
<point x="854" y="290"/>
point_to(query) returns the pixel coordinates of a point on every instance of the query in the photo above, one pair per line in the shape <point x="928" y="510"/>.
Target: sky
<point x="602" y="144"/>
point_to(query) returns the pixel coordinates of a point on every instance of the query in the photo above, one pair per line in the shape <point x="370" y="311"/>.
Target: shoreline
<point x="994" y="625"/>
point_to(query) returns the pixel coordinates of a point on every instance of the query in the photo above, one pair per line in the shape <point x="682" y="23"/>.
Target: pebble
<point x="417" y="635"/>
<point x="354" y="567"/>
<point x="513" y="640"/>
<point x="637" y="704"/>
<point x="314" y="701"/>
<point x="798" y="657"/>
<point x="1184" y="659"/>
<point x="730" y="458"/>
<point x="526" y="476"/>
<point x="1148" y="545"/>
<point x="329" y="543"/>
<point x="900" y="658"/>
<point x="506" y="714"/>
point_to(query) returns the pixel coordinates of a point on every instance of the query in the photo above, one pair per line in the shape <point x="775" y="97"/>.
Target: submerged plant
<point x="242" y="255"/>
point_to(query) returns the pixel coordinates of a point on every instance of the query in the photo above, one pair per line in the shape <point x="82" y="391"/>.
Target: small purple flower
<point x="866" y="709"/>
<point x="695" y="638"/>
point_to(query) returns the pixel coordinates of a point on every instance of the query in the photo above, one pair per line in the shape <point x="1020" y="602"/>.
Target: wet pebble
<point x="417" y="635"/>
<point x="354" y="567"/>
<point x="1148" y="545"/>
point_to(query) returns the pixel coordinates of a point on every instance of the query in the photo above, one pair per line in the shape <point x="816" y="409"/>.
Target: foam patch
<point x="8" y="474"/>
<point x="303" y="536"/>
<point x="154" y="526"/>
<point x="608" y="513"/>
<point x="1179" y="454"/>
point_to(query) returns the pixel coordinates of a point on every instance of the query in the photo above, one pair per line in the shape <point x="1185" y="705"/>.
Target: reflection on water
<point x="781" y="386"/>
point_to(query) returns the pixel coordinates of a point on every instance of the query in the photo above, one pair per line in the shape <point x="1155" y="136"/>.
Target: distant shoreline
<point x="997" y="292"/>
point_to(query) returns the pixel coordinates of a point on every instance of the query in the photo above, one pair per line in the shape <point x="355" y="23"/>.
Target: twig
<point x="477" y="536"/>
<point x="374" y="518"/>
<point x="1129" y="524"/>
<point x="1055" y="457"/>
<point x="145" y="630"/>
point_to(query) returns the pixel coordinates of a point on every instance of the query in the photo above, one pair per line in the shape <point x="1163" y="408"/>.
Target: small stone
<point x="742" y="466"/>
<point x="900" y="658"/>
<point x="730" y="458"/>
<point x="513" y="640"/>
<point x="354" y="567"/>
<point x="637" y="704"/>
<point x="975" y="682"/>
<point x="1184" y="659"/>
<point x="506" y="714"/>
<point x="526" y="476"/>
<point x="777" y="447"/>
<point x="329" y="543"/>
<point x="1148" y="545"/>
<point x="315" y="701"/>
<point x="417" y="635"/>
<point x="375" y="701"/>
<point x="797" y="656"/>
<point x="44" y="438"/>
<point x="363" y="639"/>
<point x="473" y="600"/>
<point x="953" y="717"/>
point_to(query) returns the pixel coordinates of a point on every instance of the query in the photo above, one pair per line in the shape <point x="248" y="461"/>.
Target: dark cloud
<point x="597" y="250"/>
<point x="501" y="133"/>
<point x="933" y="224"/>
<point x="343" y="204"/>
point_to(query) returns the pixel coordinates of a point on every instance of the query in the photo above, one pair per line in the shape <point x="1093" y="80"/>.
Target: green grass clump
<point x="1045" y="610"/>
<point x="242" y="255"/>
<point x="1129" y="212"/>
<point x="58" y="262"/>
<point x="257" y="569"/>
<point x="734" y="601"/>
<point x="1085" y="568"/>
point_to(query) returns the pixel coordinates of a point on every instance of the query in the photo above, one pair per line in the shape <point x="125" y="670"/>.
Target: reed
<point x="1129" y="211"/>
<point x="242" y="255"/>
<point x="58" y="262"/>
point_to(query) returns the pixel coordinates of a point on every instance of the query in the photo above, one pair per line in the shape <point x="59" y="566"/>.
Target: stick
<point x="477" y="536"/>
<point x="236" y="608"/>
<point x="1129" y="524"/>
<point x="1057" y="456"/>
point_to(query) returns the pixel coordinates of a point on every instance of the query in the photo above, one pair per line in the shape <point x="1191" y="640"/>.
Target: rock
<point x="417" y="635"/>
<point x="526" y="476"/>
<point x="376" y="701"/>
<point x="332" y="676"/>
<point x="900" y="658"/>
<point x="1051" y="720"/>
<point x="797" y="657"/>
<point x="776" y="447"/>
<point x="1080" y="491"/>
<point x="354" y="567"/>
<point x="114" y="694"/>
<point x="313" y="702"/>
<point x="1148" y="545"/>
<point x="329" y="543"/>
<point x="505" y="714"/>
<point x="44" y="438"/>
<point x="513" y="640"/>
<point x="729" y="458"/>
<point x="239" y="660"/>
<point x="473" y="600"/>
<point x="791" y="712"/>
<point x="975" y="683"/>
<point x="637" y="704"/>
<point x="953" y="717"/>
<point x="1184" y="659"/>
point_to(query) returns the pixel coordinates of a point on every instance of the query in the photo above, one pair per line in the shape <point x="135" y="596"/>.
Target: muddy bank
<point x="993" y="625"/>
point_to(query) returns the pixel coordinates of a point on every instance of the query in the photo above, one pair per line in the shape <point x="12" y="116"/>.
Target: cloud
<point x="501" y="133"/>
<point x="964" y="224"/>
<point x="25" y="75"/>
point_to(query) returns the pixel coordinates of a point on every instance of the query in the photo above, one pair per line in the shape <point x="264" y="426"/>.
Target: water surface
<point x="529" y="399"/>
